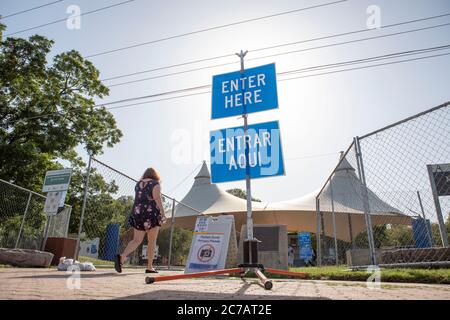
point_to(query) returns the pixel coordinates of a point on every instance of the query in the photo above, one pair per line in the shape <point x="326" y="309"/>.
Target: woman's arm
<point x="156" y="194"/>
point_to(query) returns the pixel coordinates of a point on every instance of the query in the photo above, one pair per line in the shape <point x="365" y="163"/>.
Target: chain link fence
<point x="23" y="223"/>
<point x="104" y="228"/>
<point x="387" y="201"/>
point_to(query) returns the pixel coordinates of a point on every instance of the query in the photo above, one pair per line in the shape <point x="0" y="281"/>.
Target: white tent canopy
<point x="208" y="198"/>
<point x="298" y="214"/>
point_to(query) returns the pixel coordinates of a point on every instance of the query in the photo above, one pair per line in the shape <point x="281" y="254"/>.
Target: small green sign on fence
<point x="57" y="180"/>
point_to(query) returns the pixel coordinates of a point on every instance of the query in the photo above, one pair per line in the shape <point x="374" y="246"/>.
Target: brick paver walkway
<point x="106" y="284"/>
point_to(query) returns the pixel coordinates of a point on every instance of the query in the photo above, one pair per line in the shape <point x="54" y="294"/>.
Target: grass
<point x="342" y="273"/>
<point x="401" y="275"/>
<point x="97" y="262"/>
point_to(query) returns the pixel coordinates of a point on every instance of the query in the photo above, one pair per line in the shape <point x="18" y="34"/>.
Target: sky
<point x="318" y="116"/>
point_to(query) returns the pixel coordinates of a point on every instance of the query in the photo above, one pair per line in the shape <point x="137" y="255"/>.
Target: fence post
<point x="442" y="228"/>
<point x="336" y="255"/>
<point x="362" y="177"/>
<point x="68" y="221"/>
<point x="47" y="227"/>
<point x="83" y="208"/>
<point x="318" y="240"/>
<point x="429" y="233"/>
<point x="23" y="221"/>
<point x="171" y="233"/>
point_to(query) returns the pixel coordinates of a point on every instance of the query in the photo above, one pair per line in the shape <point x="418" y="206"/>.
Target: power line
<point x="65" y="19"/>
<point x="306" y="76"/>
<point x="348" y="42"/>
<point x="28" y="10"/>
<point x="172" y="74"/>
<point x="364" y="60"/>
<point x="185" y="178"/>
<point x="158" y="100"/>
<point x="366" y="67"/>
<point x="314" y="156"/>
<point x="354" y="32"/>
<point x="155" y="95"/>
<point x="370" y="59"/>
<point x="167" y="67"/>
<point x="292" y="43"/>
<point x="213" y="28"/>
<point x="273" y="55"/>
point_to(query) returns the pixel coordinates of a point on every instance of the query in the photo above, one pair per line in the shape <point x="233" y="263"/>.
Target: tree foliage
<point x="47" y="109"/>
<point x="181" y="242"/>
<point x="240" y="194"/>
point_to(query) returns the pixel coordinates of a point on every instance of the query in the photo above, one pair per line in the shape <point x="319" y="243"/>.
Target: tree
<point x="181" y="242"/>
<point x="399" y="236"/>
<point x="48" y="109"/>
<point x="240" y="194"/>
<point x="379" y="237"/>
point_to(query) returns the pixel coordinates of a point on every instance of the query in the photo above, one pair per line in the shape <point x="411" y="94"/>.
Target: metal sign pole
<point x="220" y="110"/>
<point x="241" y="55"/>
<point x="318" y="237"/>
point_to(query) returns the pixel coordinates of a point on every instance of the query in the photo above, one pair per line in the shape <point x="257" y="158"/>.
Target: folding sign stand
<point x="250" y="243"/>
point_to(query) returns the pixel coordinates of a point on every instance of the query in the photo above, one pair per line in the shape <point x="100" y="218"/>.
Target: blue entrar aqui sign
<point x="228" y="155"/>
<point x="252" y="91"/>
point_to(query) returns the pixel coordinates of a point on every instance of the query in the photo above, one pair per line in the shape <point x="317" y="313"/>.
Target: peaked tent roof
<point x="208" y="198"/>
<point x="298" y="214"/>
<point x="346" y="191"/>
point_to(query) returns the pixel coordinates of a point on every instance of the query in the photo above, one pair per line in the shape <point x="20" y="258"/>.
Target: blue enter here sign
<point x="237" y="93"/>
<point x="228" y="152"/>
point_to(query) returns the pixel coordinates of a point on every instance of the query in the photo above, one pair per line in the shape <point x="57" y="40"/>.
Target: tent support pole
<point x="336" y="254"/>
<point x="318" y="240"/>
<point x="350" y="230"/>
<point x="172" y="224"/>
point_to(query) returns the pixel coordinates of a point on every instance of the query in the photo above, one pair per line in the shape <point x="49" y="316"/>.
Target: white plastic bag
<point x="64" y="264"/>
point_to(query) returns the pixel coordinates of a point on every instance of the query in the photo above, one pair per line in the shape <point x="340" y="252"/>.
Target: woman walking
<point x="146" y="217"/>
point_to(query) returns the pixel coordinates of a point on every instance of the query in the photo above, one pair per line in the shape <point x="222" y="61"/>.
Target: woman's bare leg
<point x="138" y="236"/>
<point x="152" y="234"/>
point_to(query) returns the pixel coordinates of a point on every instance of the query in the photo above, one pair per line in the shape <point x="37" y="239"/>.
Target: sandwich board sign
<point x="215" y="246"/>
<point x="57" y="180"/>
<point x="262" y="143"/>
<point x="237" y="93"/>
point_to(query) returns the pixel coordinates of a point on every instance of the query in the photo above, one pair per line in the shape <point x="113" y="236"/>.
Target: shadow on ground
<point x="190" y="295"/>
<point x="65" y="274"/>
<point x="238" y="295"/>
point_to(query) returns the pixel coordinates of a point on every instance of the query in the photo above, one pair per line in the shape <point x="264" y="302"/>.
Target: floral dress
<point x="145" y="214"/>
